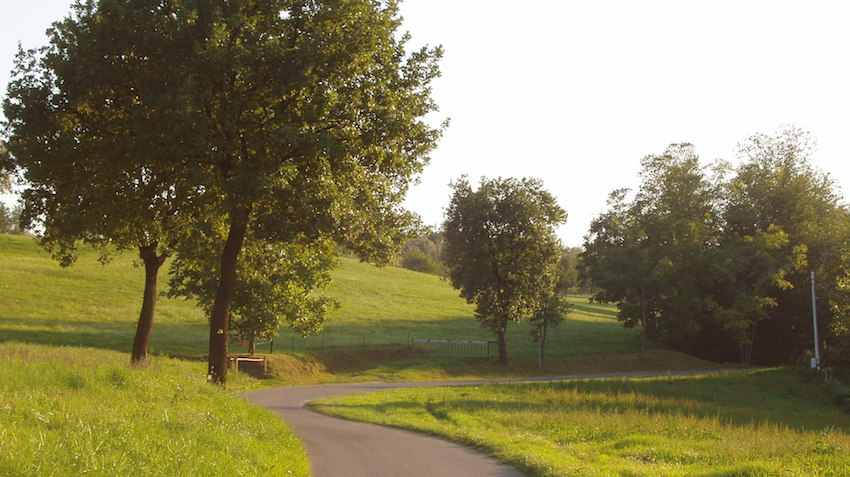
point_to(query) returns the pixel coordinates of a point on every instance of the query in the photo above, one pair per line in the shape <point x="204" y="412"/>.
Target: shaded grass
<point x="400" y="364"/>
<point x="766" y="422"/>
<point x="76" y="411"/>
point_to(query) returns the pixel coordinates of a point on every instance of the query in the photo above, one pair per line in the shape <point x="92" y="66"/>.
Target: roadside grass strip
<point x="753" y="423"/>
<point x="75" y="411"/>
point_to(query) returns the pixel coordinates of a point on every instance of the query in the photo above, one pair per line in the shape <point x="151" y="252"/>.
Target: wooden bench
<point x="235" y="360"/>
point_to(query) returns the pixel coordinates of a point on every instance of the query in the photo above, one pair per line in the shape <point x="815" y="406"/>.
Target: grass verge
<point x="750" y="423"/>
<point x="75" y="411"/>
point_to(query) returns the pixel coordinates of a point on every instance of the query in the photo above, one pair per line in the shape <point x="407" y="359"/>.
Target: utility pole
<point x="816" y="360"/>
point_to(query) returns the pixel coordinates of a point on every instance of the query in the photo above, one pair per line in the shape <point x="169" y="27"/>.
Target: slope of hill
<point x="93" y="305"/>
<point x="90" y="304"/>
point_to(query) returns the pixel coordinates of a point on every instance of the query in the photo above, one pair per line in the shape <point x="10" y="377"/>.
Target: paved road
<point x="341" y="448"/>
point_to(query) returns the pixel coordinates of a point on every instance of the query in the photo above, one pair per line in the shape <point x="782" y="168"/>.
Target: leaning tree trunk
<point x="153" y="262"/>
<point x="220" y="316"/>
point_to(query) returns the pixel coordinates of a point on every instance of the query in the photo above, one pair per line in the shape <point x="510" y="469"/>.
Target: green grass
<point x="752" y="423"/>
<point x="88" y="304"/>
<point x="96" y="305"/>
<point x="92" y="305"/>
<point x="79" y="411"/>
<point x="70" y="389"/>
<point x="389" y="306"/>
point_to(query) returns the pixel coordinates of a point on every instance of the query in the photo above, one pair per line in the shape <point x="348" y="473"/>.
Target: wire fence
<point x="453" y="347"/>
<point x="335" y="340"/>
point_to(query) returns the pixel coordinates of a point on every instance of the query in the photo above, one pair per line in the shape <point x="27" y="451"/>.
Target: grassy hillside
<point x="93" y="305"/>
<point x="90" y="304"/>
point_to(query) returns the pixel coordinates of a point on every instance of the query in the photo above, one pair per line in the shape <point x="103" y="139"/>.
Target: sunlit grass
<point x="766" y="422"/>
<point x="76" y="411"/>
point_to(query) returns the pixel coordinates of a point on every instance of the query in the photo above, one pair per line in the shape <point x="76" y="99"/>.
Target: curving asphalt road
<point x="341" y="448"/>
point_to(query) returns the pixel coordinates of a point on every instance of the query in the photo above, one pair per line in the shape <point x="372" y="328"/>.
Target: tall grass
<point x="754" y="423"/>
<point x="76" y="411"/>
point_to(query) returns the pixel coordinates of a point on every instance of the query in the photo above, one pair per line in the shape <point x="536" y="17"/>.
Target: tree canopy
<point x="501" y="250"/>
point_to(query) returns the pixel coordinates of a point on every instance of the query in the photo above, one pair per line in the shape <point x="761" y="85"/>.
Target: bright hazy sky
<point x="577" y="92"/>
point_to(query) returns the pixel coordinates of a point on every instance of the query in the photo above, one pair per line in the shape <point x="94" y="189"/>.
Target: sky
<point x="575" y="93"/>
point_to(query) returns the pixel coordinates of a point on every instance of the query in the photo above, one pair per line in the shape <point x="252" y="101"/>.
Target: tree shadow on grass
<point x="171" y="339"/>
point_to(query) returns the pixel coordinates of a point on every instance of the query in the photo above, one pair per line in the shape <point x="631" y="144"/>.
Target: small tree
<point x="551" y="314"/>
<point x="276" y="282"/>
<point x="501" y="249"/>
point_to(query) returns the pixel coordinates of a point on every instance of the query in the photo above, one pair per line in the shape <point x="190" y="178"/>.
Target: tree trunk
<point x="153" y="262"/>
<point x="220" y="316"/>
<point x="503" y="346"/>
<point x="543" y="338"/>
<point x="252" y="344"/>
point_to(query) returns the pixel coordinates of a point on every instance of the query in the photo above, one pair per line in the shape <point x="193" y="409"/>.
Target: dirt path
<point x="341" y="448"/>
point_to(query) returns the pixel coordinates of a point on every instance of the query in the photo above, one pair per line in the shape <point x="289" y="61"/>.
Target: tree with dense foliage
<point x="550" y="314"/>
<point x="501" y="249"/>
<point x="424" y="254"/>
<point x="275" y="282"/>
<point x="718" y="267"/>
<point x="650" y="255"/>
<point x="98" y="144"/>
<point x="288" y="119"/>
<point x="777" y="190"/>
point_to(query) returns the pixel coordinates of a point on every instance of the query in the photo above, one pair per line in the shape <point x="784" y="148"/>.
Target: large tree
<point x="99" y="145"/>
<point x="501" y="250"/>
<point x="314" y="124"/>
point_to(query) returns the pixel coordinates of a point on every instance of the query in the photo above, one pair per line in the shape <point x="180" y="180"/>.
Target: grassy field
<point x="65" y="384"/>
<point x="71" y="411"/>
<point x="90" y="304"/>
<point x="750" y="423"/>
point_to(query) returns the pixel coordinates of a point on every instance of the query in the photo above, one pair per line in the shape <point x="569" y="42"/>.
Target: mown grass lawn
<point x="749" y="423"/>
